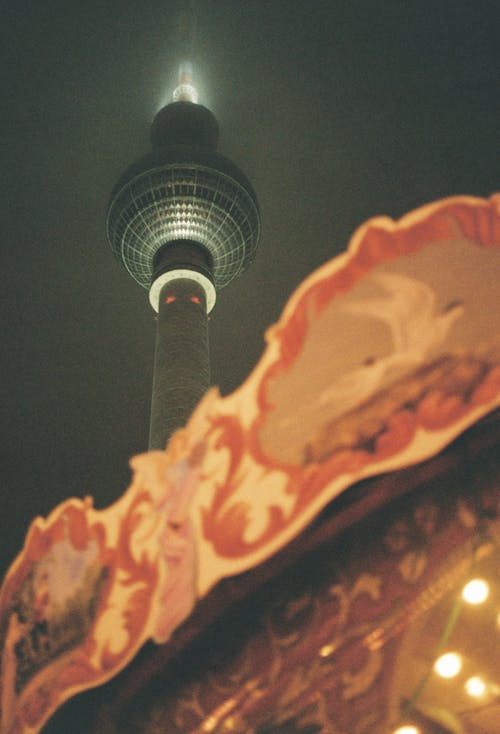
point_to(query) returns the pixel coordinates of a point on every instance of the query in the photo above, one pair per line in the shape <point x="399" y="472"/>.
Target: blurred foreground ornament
<point x="380" y="359"/>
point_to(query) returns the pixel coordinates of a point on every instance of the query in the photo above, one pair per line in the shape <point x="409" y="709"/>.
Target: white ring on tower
<point x="164" y="278"/>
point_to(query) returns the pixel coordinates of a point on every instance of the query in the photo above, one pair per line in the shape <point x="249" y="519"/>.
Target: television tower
<point x="184" y="221"/>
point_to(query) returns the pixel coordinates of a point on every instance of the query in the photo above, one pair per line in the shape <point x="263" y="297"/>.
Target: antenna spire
<point x="185" y="90"/>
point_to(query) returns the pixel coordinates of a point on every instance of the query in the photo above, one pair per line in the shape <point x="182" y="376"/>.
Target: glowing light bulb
<point x="476" y="591"/>
<point x="407" y="729"/>
<point x="326" y="650"/>
<point x="475" y="686"/>
<point x="185" y="91"/>
<point x="448" y="665"/>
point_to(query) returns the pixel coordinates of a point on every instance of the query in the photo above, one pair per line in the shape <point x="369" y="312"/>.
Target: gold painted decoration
<point x="91" y="586"/>
<point x="380" y="359"/>
<point x="350" y="642"/>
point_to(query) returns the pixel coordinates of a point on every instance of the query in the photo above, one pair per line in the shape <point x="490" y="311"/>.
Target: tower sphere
<point x="184" y="191"/>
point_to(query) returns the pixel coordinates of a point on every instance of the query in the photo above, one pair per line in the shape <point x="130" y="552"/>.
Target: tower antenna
<point x="185" y="90"/>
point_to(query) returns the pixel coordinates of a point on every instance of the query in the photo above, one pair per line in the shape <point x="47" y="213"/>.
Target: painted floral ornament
<point x="380" y="359"/>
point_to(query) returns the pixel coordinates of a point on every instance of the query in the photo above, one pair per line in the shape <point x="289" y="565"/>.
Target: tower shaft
<point x="181" y="363"/>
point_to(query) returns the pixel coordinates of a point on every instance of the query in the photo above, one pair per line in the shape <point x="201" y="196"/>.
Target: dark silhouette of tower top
<point x="184" y="191"/>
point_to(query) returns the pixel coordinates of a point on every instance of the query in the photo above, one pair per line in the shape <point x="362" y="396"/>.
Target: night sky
<point x="336" y="111"/>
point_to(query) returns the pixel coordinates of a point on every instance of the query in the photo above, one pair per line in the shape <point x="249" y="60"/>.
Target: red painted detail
<point x="169" y="299"/>
<point x="195" y="299"/>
